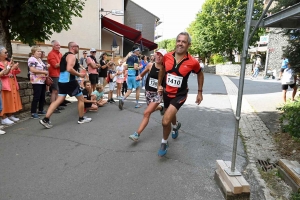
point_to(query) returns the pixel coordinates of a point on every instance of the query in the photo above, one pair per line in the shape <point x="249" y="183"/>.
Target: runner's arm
<point x="147" y="69"/>
<point x="200" y="79"/>
<point x="161" y="75"/>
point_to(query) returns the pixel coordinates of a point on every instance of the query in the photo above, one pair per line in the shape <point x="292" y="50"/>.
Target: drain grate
<point x="266" y="165"/>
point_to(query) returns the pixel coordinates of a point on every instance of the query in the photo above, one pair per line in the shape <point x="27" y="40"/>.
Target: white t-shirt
<point x="120" y="68"/>
<point x="288" y="77"/>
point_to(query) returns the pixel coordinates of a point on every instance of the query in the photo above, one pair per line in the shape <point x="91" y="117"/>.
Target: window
<point x="139" y="27"/>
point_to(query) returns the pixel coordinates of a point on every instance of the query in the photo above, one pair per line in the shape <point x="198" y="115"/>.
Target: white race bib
<point x="174" y="81"/>
<point x="153" y="82"/>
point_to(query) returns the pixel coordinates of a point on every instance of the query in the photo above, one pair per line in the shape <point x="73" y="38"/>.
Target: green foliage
<point x="168" y="44"/>
<point x="295" y="196"/>
<point x="217" y="59"/>
<point x="30" y="20"/>
<point x="291" y="115"/>
<point x="219" y="27"/>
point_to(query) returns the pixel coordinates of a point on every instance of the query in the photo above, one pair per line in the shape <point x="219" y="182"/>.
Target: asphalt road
<point x="98" y="161"/>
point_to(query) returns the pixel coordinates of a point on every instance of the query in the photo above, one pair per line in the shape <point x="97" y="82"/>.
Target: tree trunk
<point x="5" y="36"/>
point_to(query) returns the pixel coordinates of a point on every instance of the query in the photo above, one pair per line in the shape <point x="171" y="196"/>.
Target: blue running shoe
<point x="163" y="149"/>
<point x="41" y="113"/>
<point x="135" y="136"/>
<point x="174" y="133"/>
<point x="34" y="116"/>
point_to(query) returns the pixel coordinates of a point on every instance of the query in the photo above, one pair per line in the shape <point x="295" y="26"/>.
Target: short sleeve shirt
<point x="36" y="78"/>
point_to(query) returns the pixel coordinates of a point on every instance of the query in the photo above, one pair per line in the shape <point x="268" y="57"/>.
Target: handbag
<point x="48" y="81"/>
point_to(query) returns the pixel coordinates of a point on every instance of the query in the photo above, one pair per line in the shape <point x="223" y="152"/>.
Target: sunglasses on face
<point x="93" y="51"/>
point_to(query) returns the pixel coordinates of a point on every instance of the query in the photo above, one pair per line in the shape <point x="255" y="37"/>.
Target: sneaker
<point x="1" y="127"/>
<point x="84" y="120"/>
<point x="60" y="108"/>
<point x="46" y="124"/>
<point x="34" y="116"/>
<point x="112" y="100"/>
<point x="6" y="121"/>
<point x="121" y="103"/>
<point x="12" y="118"/>
<point x="135" y="136"/>
<point x="162" y="111"/>
<point x="163" y="149"/>
<point x="2" y="132"/>
<point x="174" y="133"/>
<point x="137" y="106"/>
<point x="41" y="113"/>
<point x="56" y="111"/>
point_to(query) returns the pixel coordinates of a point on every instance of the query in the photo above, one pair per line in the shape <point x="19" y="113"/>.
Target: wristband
<point x="200" y="90"/>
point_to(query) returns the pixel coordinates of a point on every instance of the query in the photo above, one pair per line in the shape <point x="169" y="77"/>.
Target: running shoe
<point x="137" y="106"/>
<point x="2" y="132"/>
<point x="135" y="136"/>
<point x="121" y="103"/>
<point x="34" y="116"/>
<point x="41" y="113"/>
<point x="162" y="111"/>
<point x="46" y="124"/>
<point x="84" y="120"/>
<point x="175" y="130"/>
<point x="163" y="149"/>
<point x="112" y="100"/>
<point x="13" y="118"/>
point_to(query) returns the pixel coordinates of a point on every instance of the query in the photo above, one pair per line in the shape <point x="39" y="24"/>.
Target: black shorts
<point x="177" y="102"/>
<point x="54" y="85"/>
<point x="285" y="87"/>
<point x="93" y="78"/>
<point x="71" y="88"/>
<point x="282" y="70"/>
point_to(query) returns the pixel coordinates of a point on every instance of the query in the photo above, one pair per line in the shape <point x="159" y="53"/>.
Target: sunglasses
<point x="93" y="51"/>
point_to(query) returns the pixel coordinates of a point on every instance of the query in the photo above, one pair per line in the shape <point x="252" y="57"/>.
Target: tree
<point x="168" y="44"/>
<point x="30" y="20"/>
<point x="292" y="50"/>
<point x="219" y="27"/>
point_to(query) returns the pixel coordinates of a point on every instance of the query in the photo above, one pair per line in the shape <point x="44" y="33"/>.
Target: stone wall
<point x="26" y="94"/>
<point x="210" y="69"/>
<point x="277" y="41"/>
<point x="232" y="69"/>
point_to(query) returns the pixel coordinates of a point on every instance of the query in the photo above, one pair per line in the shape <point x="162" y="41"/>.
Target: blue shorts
<point x="131" y="82"/>
<point x="138" y="83"/>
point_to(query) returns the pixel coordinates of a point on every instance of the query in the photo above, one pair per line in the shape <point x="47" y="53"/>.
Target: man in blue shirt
<point x="133" y="66"/>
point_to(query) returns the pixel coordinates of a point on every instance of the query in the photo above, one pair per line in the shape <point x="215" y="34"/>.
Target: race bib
<point x="174" y="81"/>
<point x="153" y="82"/>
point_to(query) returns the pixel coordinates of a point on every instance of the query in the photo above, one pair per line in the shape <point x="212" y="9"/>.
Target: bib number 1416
<point x="174" y="81"/>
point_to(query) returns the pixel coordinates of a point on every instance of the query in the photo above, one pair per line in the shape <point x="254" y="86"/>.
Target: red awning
<point x="126" y="31"/>
<point x="150" y="45"/>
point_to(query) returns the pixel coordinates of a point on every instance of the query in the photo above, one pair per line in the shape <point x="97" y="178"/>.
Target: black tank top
<point x="152" y="79"/>
<point x="63" y="65"/>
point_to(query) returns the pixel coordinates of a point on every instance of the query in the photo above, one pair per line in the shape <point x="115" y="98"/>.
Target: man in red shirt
<point x="173" y="83"/>
<point x="53" y="59"/>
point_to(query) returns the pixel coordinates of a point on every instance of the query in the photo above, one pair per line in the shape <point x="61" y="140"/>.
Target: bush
<point x="291" y="115"/>
<point x="217" y="59"/>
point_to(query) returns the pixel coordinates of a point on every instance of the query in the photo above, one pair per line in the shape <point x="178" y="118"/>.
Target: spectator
<point x="38" y="73"/>
<point x="288" y="80"/>
<point x="103" y="69"/>
<point x="82" y="60"/>
<point x="144" y="63"/>
<point x="53" y="59"/>
<point x="89" y="98"/>
<point x="93" y="67"/>
<point x="120" y="78"/>
<point x="100" y="95"/>
<point x="11" y="101"/>
<point x="112" y="76"/>
<point x="124" y="86"/>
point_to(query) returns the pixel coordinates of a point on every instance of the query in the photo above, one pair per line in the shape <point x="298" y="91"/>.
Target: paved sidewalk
<point x="256" y="135"/>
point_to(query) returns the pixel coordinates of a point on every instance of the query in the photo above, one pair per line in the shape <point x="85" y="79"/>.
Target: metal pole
<point x="241" y="85"/>
<point x="260" y="19"/>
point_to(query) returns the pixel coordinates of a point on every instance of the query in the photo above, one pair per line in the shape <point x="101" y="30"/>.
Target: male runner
<point x="68" y="84"/>
<point x="172" y="82"/>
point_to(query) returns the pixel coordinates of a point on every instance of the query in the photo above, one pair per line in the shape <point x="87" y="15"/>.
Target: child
<point x="124" y="88"/>
<point x="112" y="81"/>
<point x="90" y="102"/>
<point x="99" y="95"/>
<point x="120" y="77"/>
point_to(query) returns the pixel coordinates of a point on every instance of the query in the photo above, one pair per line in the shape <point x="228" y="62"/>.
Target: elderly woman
<point x="11" y="100"/>
<point x="38" y="72"/>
